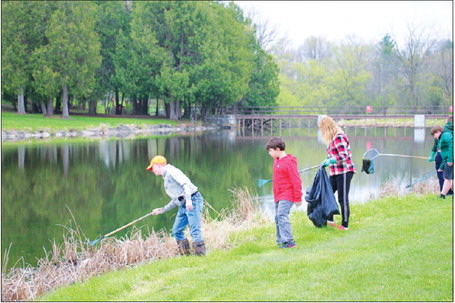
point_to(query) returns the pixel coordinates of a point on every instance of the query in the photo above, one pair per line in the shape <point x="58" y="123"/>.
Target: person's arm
<point x="447" y="144"/>
<point x="434" y="150"/>
<point x="173" y="203"/>
<point x="341" y="146"/>
<point x="296" y="182"/>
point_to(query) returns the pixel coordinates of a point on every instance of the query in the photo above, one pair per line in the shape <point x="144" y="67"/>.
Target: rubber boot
<point x="199" y="248"/>
<point x="184" y="247"/>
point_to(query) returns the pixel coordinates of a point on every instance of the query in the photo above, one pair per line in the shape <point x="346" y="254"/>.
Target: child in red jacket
<point x="287" y="189"/>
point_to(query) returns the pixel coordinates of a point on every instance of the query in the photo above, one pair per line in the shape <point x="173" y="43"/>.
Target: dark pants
<point x="341" y="184"/>
<point x="437" y="163"/>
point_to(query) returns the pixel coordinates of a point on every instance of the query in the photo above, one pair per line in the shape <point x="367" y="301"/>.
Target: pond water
<point x="105" y="185"/>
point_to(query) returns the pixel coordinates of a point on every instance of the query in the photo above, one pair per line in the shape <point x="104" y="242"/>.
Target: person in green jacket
<point x="445" y="145"/>
<point x="435" y="156"/>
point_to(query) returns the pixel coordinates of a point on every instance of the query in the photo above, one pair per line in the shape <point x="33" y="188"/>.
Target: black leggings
<point x="342" y="183"/>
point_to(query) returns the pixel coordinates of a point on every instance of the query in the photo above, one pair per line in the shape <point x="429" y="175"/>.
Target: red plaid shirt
<point x="341" y="150"/>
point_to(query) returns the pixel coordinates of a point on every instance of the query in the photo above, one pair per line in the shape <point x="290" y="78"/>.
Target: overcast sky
<point x="367" y="20"/>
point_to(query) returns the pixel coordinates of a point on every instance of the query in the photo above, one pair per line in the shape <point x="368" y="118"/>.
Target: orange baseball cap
<point x="157" y="160"/>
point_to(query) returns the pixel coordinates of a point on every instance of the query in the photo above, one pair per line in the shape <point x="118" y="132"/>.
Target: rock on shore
<point x="121" y="131"/>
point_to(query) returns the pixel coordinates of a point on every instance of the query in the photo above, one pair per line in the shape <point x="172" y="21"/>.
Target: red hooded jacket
<point x="287" y="184"/>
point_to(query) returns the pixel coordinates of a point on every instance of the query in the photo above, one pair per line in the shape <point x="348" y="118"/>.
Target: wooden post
<point x="262" y="128"/>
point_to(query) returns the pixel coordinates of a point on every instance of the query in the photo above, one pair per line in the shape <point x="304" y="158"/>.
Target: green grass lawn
<point x="37" y="122"/>
<point x="397" y="249"/>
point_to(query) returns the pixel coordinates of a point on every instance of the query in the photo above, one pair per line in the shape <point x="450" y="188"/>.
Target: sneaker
<point x="341" y="227"/>
<point x="331" y="223"/>
<point x="288" y="245"/>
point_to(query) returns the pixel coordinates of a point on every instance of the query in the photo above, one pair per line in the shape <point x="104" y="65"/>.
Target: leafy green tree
<point x="226" y="60"/>
<point x="23" y="31"/>
<point x="112" y="17"/>
<point x="264" y="83"/>
<point x="178" y="28"/>
<point x="74" y="47"/>
<point x="139" y="59"/>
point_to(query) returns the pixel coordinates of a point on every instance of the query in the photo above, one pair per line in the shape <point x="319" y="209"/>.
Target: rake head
<point x="94" y="242"/>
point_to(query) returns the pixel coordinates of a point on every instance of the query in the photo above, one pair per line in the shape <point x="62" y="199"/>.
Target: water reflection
<point x="105" y="184"/>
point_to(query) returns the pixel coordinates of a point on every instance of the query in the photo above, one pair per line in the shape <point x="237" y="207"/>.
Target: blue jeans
<point x="191" y="218"/>
<point x="283" y="225"/>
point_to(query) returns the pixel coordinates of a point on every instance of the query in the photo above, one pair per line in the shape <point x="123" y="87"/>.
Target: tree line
<point x="416" y="73"/>
<point x="188" y="57"/>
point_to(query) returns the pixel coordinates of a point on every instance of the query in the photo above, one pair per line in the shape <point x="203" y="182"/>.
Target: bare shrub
<point x="428" y="187"/>
<point x="393" y="188"/>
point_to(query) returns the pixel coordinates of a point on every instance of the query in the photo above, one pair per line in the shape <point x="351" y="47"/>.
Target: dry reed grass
<point x="392" y="188"/>
<point x="74" y="260"/>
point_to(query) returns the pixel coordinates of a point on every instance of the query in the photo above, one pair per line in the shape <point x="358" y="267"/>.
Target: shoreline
<point x="132" y="130"/>
<point x="121" y="131"/>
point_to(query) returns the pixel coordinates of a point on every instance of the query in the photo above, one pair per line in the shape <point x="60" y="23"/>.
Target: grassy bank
<point x="37" y="122"/>
<point x="397" y="249"/>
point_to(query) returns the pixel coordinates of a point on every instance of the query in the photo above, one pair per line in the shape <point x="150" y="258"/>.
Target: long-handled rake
<point x="119" y="229"/>
<point x="262" y="182"/>
<point x="370" y="155"/>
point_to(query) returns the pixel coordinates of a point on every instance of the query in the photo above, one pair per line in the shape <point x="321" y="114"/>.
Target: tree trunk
<point x="21" y="103"/>
<point x="204" y="114"/>
<point x="118" y="107"/>
<point x="50" y="107"/>
<point x="92" y="107"/>
<point x="43" y="108"/>
<point x="122" y="102"/>
<point x="171" y="109"/>
<point x="174" y="109"/>
<point x="145" y="106"/>
<point x="157" y="108"/>
<point x="35" y="107"/>
<point x="65" y="113"/>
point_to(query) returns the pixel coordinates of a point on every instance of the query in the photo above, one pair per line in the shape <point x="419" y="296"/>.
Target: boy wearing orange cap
<point x="186" y="196"/>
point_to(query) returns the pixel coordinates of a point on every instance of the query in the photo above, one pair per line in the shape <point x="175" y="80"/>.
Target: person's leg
<point x="343" y="185"/>
<point x="194" y="217"/>
<point x="437" y="163"/>
<point x="448" y="185"/>
<point x="285" y="231"/>
<point x="279" y="240"/>
<point x="194" y="220"/>
<point x="333" y="182"/>
<point x="181" y="221"/>
<point x="448" y="180"/>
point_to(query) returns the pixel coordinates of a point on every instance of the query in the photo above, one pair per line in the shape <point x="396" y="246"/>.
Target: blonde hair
<point x="329" y="129"/>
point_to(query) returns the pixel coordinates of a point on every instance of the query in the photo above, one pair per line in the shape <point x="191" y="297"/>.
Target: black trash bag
<point x="321" y="200"/>
<point x="367" y="166"/>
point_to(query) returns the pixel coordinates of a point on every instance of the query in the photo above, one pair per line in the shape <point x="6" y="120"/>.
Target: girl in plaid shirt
<point x="339" y="160"/>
